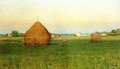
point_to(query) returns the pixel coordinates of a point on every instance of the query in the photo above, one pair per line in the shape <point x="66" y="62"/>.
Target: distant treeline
<point x="114" y="32"/>
<point x="14" y="33"/>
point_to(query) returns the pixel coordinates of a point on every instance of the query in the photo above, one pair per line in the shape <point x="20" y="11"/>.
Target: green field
<point x="65" y="52"/>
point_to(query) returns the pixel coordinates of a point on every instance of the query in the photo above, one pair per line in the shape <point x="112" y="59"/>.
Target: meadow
<point x="64" y="52"/>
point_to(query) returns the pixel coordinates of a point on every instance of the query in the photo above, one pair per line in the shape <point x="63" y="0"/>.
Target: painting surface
<point x="83" y="34"/>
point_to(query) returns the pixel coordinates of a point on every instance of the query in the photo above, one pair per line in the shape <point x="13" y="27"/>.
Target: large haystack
<point x="95" y="38"/>
<point x="37" y="34"/>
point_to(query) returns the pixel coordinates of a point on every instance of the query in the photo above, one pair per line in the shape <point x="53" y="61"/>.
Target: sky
<point x="60" y="16"/>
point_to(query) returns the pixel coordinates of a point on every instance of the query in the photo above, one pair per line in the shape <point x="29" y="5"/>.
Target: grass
<point x="76" y="53"/>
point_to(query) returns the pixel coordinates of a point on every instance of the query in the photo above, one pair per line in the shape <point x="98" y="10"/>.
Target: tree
<point x="6" y="34"/>
<point x="21" y="34"/>
<point x="118" y="31"/>
<point x="15" y="33"/>
<point x="113" y="32"/>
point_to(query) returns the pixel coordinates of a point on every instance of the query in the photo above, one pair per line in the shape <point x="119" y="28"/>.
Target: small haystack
<point x="95" y="38"/>
<point x="37" y="34"/>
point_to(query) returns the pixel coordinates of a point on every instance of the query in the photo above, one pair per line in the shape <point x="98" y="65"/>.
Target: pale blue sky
<point x="60" y="16"/>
